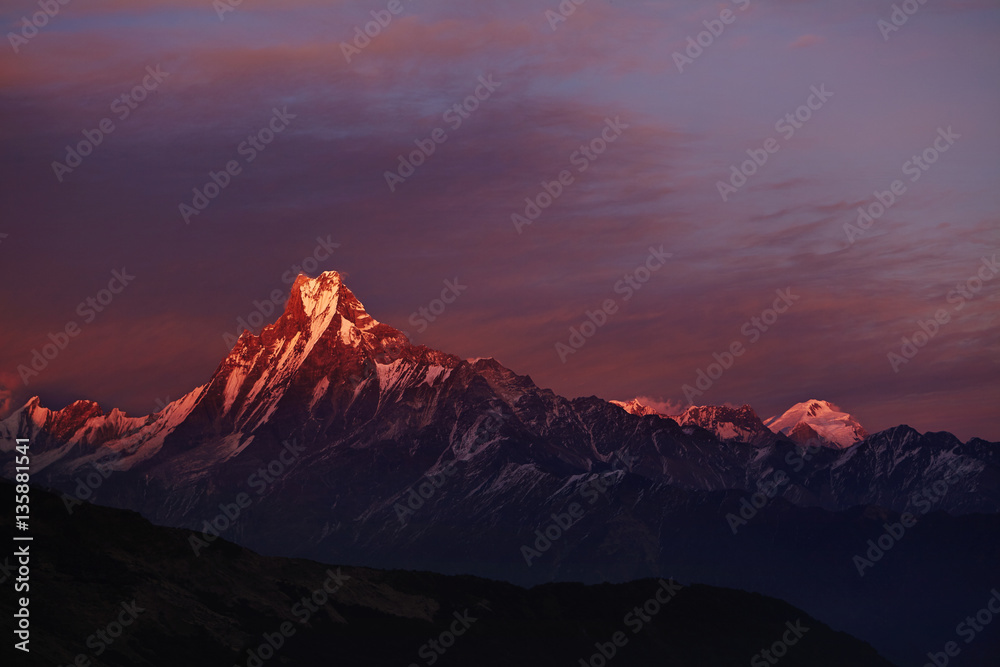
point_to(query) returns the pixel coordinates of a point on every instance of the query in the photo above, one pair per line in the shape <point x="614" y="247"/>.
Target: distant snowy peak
<point x="741" y="424"/>
<point x="818" y="420"/>
<point x="82" y="427"/>
<point x="727" y="423"/>
<point x="634" y="407"/>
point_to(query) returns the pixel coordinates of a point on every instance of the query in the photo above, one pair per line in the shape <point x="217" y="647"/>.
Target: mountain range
<point x="329" y="436"/>
<point x="97" y="562"/>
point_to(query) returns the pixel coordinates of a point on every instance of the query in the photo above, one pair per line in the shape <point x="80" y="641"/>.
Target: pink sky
<point x="655" y="184"/>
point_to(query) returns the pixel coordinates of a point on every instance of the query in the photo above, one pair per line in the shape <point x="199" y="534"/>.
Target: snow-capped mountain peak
<point x="727" y="423"/>
<point x="319" y="298"/>
<point x="818" y="420"/>
<point x="634" y="407"/>
<point x="323" y="336"/>
<point x="314" y="306"/>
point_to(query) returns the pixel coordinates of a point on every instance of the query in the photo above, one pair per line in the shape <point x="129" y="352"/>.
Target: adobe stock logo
<point x="255" y="144"/>
<point x="87" y="310"/>
<point x="779" y="649"/>
<point x="419" y="493"/>
<point x="381" y="19"/>
<point x="968" y="629"/>
<point x="94" y="479"/>
<point x="229" y="513"/>
<point x="581" y="158"/>
<point x="629" y="284"/>
<point x="103" y="638"/>
<point x="753" y="329"/>
<point x="566" y="9"/>
<point x="30" y="27"/>
<point x="706" y="38"/>
<point x="924" y="500"/>
<point x="423" y="316"/>
<point x="787" y="125"/>
<point x="749" y="507"/>
<point x="223" y="7"/>
<point x="635" y="620"/>
<point x="275" y="301"/>
<point x="553" y="531"/>
<point x="915" y="167"/>
<point x="900" y="15"/>
<point x="454" y="115"/>
<point x="122" y="106"/>
<point x="303" y="610"/>
<point x="929" y="328"/>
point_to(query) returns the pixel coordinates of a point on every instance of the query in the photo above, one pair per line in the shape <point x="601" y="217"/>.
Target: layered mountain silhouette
<point x="337" y="440"/>
<point x="727" y="423"/>
<point x="223" y="606"/>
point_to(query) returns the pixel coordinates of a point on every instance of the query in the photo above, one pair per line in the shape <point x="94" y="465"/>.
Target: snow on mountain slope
<point x="324" y="351"/>
<point x="821" y="420"/>
<point x="84" y="435"/>
<point x="740" y="424"/>
<point x="634" y="407"/>
<point x="368" y="405"/>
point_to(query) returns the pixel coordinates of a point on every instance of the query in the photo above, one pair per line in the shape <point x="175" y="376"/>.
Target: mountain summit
<point x="727" y="423"/>
<point x="344" y="443"/>
<point x="822" y="420"/>
<point x="637" y="408"/>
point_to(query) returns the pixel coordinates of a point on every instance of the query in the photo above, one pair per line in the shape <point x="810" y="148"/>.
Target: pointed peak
<point x="727" y="422"/>
<point x="317" y="300"/>
<point x="820" y="419"/>
<point x="312" y="307"/>
<point x="635" y="407"/>
<point x="83" y="404"/>
<point x="313" y="289"/>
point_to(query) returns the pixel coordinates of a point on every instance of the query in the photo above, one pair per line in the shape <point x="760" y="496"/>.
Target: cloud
<point x="654" y="185"/>
<point x="11" y="393"/>
<point x="668" y="407"/>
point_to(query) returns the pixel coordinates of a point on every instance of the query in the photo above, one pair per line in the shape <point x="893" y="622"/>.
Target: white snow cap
<point x="838" y="428"/>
